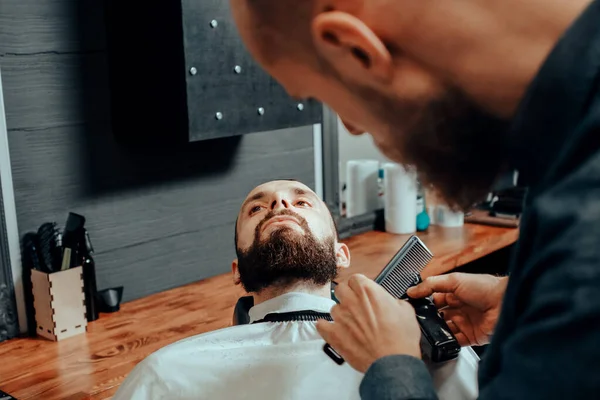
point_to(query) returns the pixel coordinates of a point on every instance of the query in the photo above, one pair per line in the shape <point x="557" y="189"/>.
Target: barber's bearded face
<point x="456" y="146"/>
<point x="286" y="257"/>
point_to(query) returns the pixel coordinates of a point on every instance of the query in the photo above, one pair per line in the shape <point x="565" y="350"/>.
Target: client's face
<point x="285" y="236"/>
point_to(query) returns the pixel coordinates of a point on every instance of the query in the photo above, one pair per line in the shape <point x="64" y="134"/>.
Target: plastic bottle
<point x="422" y="216"/>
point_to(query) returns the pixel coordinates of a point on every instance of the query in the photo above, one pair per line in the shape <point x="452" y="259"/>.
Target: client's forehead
<point x="280" y="186"/>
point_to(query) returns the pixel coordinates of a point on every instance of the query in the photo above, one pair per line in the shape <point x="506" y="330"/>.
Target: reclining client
<point x="288" y="253"/>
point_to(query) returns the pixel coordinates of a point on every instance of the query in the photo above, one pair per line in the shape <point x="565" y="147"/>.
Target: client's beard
<point x="286" y="257"/>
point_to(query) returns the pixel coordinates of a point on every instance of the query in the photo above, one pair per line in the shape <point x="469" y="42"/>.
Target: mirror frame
<point x="347" y="227"/>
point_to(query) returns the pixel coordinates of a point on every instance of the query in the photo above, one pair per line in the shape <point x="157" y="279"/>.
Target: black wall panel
<point x="180" y="71"/>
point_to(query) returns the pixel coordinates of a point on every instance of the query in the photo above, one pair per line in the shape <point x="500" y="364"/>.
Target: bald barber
<point x="465" y="90"/>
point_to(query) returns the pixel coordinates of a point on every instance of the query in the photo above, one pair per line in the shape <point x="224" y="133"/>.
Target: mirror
<point x="340" y="150"/>
<point x="359" y="165"/>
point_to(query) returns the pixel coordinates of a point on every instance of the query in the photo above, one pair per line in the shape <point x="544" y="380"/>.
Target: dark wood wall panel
<point x="43" y="26"/>
<point x="158" y="217"/>
<point x="48" y="90"/>
<point x="154" y="236"/>
<point x="145" y="212"/>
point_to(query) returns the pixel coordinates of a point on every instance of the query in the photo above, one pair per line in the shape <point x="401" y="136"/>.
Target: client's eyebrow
<point x="254" y="197"/>
<point x="302" y="192"/>
<point x="260" y="195"/>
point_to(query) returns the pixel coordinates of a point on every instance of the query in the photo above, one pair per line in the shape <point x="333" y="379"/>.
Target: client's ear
<point x="342" y="255"/>
<point x="235" y="272"/>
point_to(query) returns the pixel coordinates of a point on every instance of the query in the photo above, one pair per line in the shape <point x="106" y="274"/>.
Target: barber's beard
<point x="287" y="257"/>
<point x="457" y="147"/>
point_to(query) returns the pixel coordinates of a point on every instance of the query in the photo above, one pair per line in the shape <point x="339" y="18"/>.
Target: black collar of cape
<point x="304" y="315"/>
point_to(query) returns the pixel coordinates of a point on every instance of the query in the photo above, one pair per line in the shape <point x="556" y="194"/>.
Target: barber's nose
<point x="279" y="203"/>
<point x="352" y="129"/>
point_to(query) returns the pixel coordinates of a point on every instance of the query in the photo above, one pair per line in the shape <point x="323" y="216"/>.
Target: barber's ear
<point x="235" y="272"/>
<point x="342" y="255"/>
<point x="352" y="48"/>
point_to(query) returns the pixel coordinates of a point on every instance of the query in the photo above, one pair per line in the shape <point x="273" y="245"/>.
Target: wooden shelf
<point x="93" y="365"/>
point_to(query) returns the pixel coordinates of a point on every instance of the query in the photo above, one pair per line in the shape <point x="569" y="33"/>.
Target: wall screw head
<point x="219" y="116"/>
<point x="193" y="71"/>
<point x="300" y="107"/>
<point x="237" y="69"/>
<point x="214" y="23"/>
<point x="261" y="111"/>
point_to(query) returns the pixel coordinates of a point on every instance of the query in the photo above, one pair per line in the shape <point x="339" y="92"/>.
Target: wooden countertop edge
<point x="474" y="251"/>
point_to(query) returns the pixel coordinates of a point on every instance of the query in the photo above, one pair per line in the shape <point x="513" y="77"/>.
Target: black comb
<point x="404" y="270"/>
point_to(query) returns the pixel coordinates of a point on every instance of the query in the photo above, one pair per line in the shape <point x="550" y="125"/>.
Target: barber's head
<point x="285" y="235"/>
<point x="434" y="82"/>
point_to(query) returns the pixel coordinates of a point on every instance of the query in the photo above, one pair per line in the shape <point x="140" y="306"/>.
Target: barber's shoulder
<point x="559" y="247"/>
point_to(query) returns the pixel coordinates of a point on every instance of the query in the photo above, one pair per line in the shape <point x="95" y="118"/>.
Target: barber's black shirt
<point x="547" y="341"/>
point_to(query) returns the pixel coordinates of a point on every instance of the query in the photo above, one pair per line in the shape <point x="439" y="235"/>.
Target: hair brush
<point x="50" y="247"/>
<point x="31" y="255"/>
<point x="438" y="344"/>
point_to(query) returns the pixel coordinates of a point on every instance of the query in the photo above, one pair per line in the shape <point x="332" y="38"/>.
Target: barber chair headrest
<point x="241" y="311"/>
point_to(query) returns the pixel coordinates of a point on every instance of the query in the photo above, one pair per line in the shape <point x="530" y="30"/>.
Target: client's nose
<point x="279" y="203"/>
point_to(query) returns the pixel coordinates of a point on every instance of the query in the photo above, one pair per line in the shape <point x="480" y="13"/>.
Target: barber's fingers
<point x="439" y="299"/>
<point x="345" y="295"/>
<point x="328" y="331"/>
<point x="358" y="282"/>
<point x="441" y="284"/>
<point x="462" y="339"/>
<point x="368" y="290"/>
<point x="460" y="336"/>
<point x="454" y="315"/>
<point x="442" y="300"/>
<point x="345" y="318"/>
<point x="338" y="314"/>
<point x="453" y="328"/>
<point x="334" y="334"/>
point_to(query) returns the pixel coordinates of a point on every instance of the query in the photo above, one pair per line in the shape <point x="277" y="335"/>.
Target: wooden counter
<point x="451" y="248"/>
<point x="91" y="366"/>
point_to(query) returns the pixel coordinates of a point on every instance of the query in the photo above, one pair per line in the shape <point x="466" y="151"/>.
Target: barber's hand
<point x="470" y="303"/>
<point x="369" y="324"/>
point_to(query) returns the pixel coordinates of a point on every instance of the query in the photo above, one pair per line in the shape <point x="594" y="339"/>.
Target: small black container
<point x="109" y="300"/>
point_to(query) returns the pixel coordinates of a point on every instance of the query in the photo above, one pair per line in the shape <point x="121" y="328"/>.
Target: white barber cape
<point x="269" y="361"/>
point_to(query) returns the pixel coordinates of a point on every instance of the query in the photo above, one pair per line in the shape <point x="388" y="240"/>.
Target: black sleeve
<point x="397" y="377"/>
<point x="554" y="352"/>
<point x="552" y="348"/>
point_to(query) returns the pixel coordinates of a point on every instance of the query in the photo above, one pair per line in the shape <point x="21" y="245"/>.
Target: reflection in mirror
<point x="356" y="189"/>
<point x="360" y="173"/>
<point x="361" y="199"/>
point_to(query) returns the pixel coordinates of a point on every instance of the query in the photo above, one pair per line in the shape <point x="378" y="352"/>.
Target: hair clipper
<point x="438" y="343"/>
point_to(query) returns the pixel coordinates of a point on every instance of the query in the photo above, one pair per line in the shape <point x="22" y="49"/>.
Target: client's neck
<point x="302" y="287"/>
